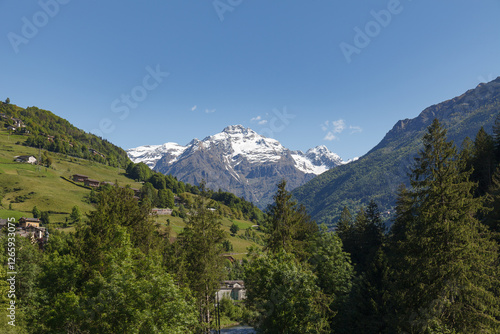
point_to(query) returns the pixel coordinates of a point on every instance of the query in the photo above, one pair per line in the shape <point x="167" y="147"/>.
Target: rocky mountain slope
<point x="378" y="174"/>
<point x="238" y="160"/>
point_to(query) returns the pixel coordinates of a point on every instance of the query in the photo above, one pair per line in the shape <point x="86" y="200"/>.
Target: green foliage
<point x="200" y="265"/>
<point x="445" y="266"/>
<point x="108" y="278"/>
<point x="56" y="134"/>
<point x="285" y="294"/>
<point x="75" y="215"/>
<point x="36" y="213"/>
<point x="166" y="198"/>
<point x="45" y="217"/>
<point x="289" y="226"/>
<point x="234" y="229"/>
<point x="227" y="246"/>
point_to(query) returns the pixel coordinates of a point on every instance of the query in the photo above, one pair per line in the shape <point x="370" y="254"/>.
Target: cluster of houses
<point x="30" y="228"/>
<point x="17" y="122"/>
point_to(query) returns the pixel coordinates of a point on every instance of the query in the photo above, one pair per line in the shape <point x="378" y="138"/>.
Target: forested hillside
<point x="378" y="174"/>
<point x="50" y="132"/>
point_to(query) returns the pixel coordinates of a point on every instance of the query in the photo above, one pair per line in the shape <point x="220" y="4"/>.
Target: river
<point x="238" y="330"/>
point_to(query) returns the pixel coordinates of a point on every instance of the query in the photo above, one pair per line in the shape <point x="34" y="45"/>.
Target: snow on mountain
<point x="150" y="154"/>
<point x="316" y="160"/>
<point x="238" y="143"/>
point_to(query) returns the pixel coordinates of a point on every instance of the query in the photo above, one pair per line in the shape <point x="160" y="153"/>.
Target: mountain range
<point x="238" y="160"/>
<point x="377" y="175"/>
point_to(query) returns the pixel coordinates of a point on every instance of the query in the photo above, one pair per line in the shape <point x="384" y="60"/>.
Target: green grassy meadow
<point x="23" y="186"/>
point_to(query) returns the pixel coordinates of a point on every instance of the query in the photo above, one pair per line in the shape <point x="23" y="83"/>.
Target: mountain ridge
<point x="377" y="175"/>
<point x="238" y="160"/>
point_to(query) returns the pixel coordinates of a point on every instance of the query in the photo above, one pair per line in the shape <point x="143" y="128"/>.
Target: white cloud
<point x="338" y="126"/>
<point x="355" y="129"/>
<point x="264" y="121"/>
<point x="258" y="118"/>
<point x="209" y="111"/>
<point x="330" y="136"/>
<point x="194" y="108"/>
<point x="334" y="128"/>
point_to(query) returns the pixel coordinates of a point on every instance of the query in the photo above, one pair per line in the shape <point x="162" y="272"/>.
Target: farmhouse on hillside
<point x="91" y="183"/>
<point x="80" y="177"/>
<point x="26" y="159"/>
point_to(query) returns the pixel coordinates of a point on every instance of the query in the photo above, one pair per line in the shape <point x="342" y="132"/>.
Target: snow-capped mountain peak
<point x="150" y="154"/>
<point x="239" y="160"/>
<point x="236" y="143"/>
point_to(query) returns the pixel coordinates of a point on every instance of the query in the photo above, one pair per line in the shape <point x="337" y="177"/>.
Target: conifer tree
<point x="202" y="267"/>
<point x="290" y="227"/>
<point x="483" y="161"/>
<point x="446" y="272"/>
<point x="496" y="137"/>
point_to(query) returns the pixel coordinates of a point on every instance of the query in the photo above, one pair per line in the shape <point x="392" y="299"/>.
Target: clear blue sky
<point x="244" y="62"/>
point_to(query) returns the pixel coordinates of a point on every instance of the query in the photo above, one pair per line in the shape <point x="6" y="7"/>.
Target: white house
<point x="26" y="159"/>
<point x="234" y="290"/>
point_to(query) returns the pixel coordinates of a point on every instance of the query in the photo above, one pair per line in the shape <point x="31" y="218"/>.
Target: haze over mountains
<point x="238" y="160"/>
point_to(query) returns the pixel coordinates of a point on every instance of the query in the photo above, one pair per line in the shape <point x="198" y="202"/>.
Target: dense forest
<point x="435" y="271"/>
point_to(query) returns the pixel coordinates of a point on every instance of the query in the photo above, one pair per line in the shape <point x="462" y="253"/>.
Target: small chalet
<point x="26" y="222"/>
<point x="26" y="159"/>
<point x="161" y="212"/>
<point x="91" y="183"/>
<point x="12" y="128"/>
<point x="234" y="290"/>
<point x="80" y="178"/>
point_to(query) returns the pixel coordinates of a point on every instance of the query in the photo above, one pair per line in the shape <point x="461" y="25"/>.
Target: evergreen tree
<point x="290" y="228"/>
<point x="445" y="273"/>
<point x="483" y="161"/>
<point x="492" y="219"/>
<point x="496" y="137"/>
<point x="345" y="226"/>
<point x="201" y="266"/>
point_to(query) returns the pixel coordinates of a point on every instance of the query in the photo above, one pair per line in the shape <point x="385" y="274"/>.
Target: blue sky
<point x="308" y="73"/>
